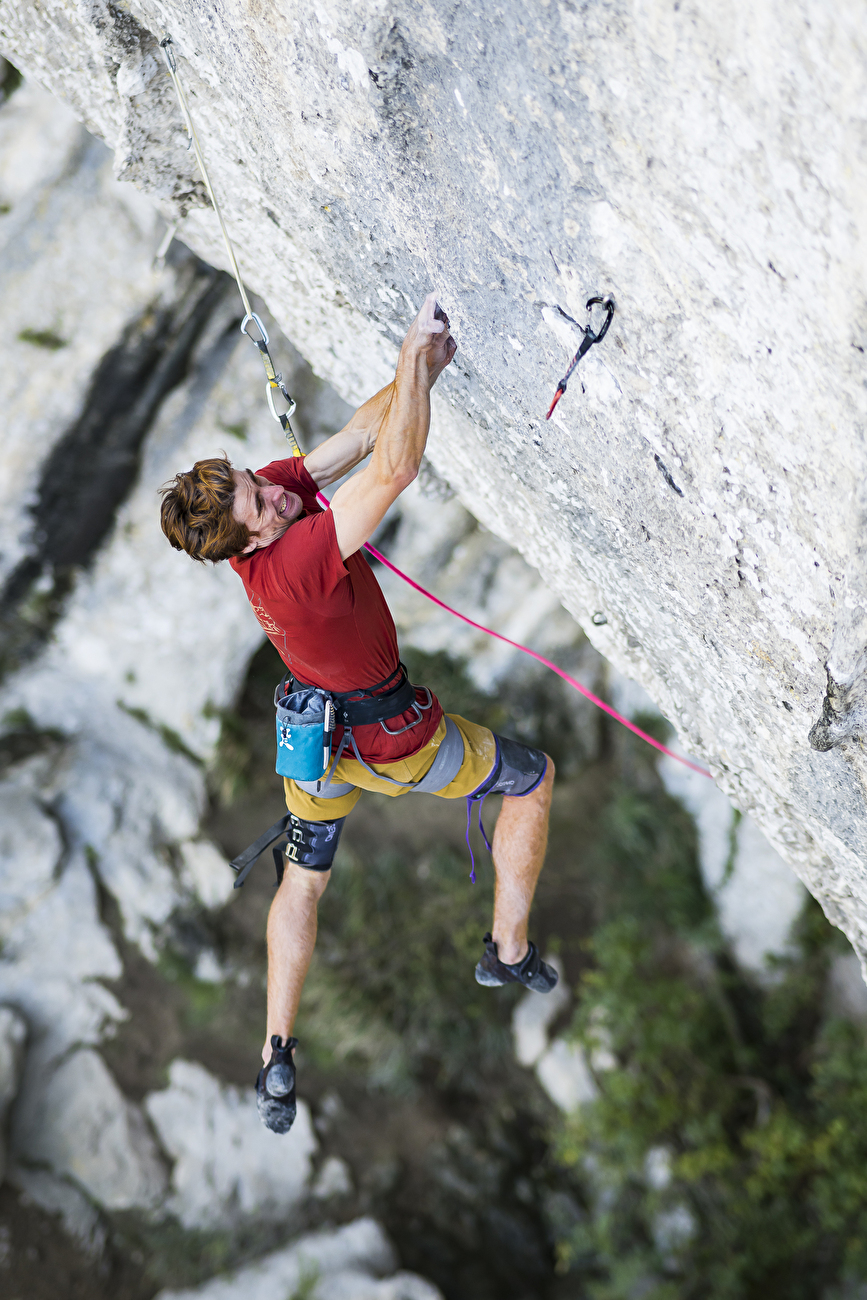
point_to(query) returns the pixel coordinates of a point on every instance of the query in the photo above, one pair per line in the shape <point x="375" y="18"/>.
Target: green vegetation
<point x="10" y="80"/>
<point x="20" y="738"/>
<point x="391" y="984"/>
<point x="43" y="339"/>
<point x="725" y="1153"/>
<point x="238" y="430"/>
<point x="308" y="1281"/>
<point x="201" y="1000"/>
<point x="751" y="1103"/>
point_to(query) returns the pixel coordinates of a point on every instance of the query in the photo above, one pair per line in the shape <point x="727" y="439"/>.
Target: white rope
<point x="274" y="381"/>
<point x="191" y="131"/>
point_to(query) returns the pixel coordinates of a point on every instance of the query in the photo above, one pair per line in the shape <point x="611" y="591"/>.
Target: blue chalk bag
<point x="305" y="721"/>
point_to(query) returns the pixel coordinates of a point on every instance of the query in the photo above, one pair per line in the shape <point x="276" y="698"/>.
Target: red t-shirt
<point x="327" y="617"/>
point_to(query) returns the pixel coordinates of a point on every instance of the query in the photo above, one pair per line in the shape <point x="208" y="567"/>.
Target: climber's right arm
<point x="341" y="452"/>
<point x="360" y="504"/>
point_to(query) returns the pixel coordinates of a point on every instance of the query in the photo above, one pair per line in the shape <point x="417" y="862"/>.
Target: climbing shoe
<point x="532" y="972"/>
<point x="275" y="1087"/>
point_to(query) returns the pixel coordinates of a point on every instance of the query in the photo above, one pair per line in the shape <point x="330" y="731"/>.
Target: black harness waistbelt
<point x="361" y="707"/>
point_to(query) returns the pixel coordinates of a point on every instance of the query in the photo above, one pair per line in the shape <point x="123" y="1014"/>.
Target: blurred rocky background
<point x="685" y="1117"/>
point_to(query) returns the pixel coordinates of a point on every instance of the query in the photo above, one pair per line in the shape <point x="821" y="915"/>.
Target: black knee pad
<point x="518" y="769"/>
<point x="309" y="844"/>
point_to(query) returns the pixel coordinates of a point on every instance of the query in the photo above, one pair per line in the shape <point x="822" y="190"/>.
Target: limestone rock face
<point x="80" y="1124"/>
<point x="699" y="507"/>
<point x="226" y="1163"/>
<point x="346" y="1264"/>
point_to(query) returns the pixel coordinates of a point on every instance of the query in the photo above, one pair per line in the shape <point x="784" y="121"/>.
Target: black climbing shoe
<point x="275" y="1087"/>
<point x="532" y="972"/>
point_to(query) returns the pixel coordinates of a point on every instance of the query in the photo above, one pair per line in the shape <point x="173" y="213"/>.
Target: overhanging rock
<point x="699" y="506"/>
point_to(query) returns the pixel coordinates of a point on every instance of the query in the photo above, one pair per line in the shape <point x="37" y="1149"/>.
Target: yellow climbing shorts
<point x="480" y="752"/>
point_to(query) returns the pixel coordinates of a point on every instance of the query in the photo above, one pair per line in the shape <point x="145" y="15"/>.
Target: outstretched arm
<point x="395" y="423"/>
<point x="346" y="449"/>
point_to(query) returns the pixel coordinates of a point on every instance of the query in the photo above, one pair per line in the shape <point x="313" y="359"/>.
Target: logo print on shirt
<point x="266" y="622"/>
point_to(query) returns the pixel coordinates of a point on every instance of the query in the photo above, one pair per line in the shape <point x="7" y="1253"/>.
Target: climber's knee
<point x="312" y="844"/>
<point x="518" y="770"/>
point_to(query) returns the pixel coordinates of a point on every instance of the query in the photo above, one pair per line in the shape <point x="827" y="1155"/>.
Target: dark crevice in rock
<point x="667" y="475"/>
<point x="93" y="467"/>
<point x="21" y="739"/>
<point x="10" y="80"/>
<point x="844" y="714"/>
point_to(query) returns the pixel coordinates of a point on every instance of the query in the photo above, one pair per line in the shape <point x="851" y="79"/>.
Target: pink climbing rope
<point x="534" y="654"/>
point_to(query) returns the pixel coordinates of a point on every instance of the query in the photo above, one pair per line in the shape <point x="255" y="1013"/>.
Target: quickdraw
<point x="586" y="343"/>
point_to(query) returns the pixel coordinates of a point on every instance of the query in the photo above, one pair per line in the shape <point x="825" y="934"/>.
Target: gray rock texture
<point x="226" y="1163"/>
<point x="80" y="1125"/>
<point x="346" y="1264"/>
<point x="13" y="1034"/>
<point x="757" y="895"/>
<point x="703" y="494"/>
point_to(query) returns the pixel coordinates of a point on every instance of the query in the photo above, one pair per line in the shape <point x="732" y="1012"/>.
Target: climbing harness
<point x="308" y="715"/>
<point x="586" y="344"/>
<point x="310" y="844"/>
<point x="274" y="383"/>
<point x="450" y="751"/>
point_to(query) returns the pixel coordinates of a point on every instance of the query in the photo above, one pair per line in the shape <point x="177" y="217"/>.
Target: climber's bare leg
<point x="291" y="940"/>
<point x="520" y="840"/>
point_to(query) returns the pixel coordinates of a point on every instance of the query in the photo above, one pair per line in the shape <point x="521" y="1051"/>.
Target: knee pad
<point x="518" y="769"/>
<point x="309" y="844"/>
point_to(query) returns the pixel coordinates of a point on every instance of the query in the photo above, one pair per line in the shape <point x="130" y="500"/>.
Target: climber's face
<point x="266" y="508"/>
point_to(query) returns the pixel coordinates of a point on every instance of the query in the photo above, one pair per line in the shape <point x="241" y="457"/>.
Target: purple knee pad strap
<point x="518" y="769"/>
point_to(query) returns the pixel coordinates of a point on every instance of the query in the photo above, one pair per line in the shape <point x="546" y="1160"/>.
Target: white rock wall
<point x="104" y="801"/>
<point x="225" y="1162"/>
<point x="345" y="1264"/>
<point x="703" y="164"/>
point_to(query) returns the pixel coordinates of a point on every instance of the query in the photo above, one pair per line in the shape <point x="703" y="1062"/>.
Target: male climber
<point x="317" y="599"/>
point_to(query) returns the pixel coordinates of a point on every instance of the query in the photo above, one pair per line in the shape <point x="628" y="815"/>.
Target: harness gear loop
<point x="586" y="343"/>
<point x="274" y="379"/>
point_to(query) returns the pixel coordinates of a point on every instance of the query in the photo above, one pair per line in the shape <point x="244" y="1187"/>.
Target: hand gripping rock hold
<point x="275" y="1087"/>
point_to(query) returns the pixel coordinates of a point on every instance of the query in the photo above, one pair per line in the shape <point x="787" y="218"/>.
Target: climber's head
<point x="197" y="516"/>
<point x="214" y="512"/>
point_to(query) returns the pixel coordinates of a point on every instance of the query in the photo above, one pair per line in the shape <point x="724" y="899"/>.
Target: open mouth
<point x="283" y="504"/>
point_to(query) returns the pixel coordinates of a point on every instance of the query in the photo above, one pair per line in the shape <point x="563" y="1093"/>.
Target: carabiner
<point x="251" y="316"/>
<point x="269" y="393"/>
<point x="169" y="54"/>
<point x="608" y="303"/>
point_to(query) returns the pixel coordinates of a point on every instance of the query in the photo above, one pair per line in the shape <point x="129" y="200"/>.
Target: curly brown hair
<point x="196" y="513"/>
